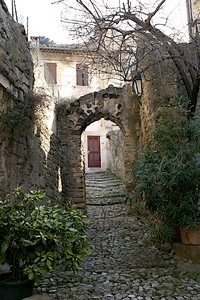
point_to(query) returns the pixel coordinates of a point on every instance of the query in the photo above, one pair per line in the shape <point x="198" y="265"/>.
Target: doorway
<point x="94" y="153"/>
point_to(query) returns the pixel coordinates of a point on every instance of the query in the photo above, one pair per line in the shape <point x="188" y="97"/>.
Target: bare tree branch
<point x="151" y="15"/>
<point x="115" y="33"/>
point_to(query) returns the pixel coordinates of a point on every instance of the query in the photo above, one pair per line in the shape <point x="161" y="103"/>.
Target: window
<point x="81" y="74"/>
<point x="50" y="73"/>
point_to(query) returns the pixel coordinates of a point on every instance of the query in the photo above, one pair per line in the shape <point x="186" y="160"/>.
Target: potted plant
<point x="167" y="176"/>
<point x="36" y="236"/>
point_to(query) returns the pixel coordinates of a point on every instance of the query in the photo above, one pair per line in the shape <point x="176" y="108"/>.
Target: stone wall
<point x="16" y="81"/>
<point x="16" y="67"/>
<point x="44" y="173"/>
<point x="29" y="151"/>
<point x="116" y="142"/>
<point x="28" y="146"/>
<point x="160" y="82"/>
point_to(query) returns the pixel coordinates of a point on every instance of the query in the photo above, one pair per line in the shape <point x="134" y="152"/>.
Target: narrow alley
<point x="124" y="264"/>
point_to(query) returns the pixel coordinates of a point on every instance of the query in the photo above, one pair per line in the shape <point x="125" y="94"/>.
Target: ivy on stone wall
<point x="11" y="119"/>
<point x="21" y="116"/>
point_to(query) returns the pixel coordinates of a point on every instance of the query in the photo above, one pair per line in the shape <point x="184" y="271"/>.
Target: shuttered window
<point x="50" y="73"/>
<point x="81" y="74"/>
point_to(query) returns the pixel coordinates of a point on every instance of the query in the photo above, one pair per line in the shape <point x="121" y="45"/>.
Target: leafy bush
<point x="36" y="235"/>
<point x="167" y="176"/>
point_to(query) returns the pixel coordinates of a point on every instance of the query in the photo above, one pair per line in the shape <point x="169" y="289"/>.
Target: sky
<point x="44" y="17"/>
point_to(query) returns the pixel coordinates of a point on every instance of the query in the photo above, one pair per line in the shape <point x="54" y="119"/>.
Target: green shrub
<point x="37" y="236"/>
<point x="168" y="175"/>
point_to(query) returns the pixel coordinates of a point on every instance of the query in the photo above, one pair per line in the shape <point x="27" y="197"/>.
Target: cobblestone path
<point x="124" y="264"/>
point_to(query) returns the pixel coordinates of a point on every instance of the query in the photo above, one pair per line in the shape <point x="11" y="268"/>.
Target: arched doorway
<point x="96" y="145"/>
<point x="114" y="104"/>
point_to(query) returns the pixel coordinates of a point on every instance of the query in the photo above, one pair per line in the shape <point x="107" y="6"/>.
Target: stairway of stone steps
<point x="103" y="189"/>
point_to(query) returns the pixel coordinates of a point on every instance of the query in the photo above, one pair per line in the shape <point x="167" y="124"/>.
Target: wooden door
<point x="94" y="154"/>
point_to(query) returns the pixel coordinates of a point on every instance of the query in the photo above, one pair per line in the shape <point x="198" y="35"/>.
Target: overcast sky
<point x="44" y="18"/>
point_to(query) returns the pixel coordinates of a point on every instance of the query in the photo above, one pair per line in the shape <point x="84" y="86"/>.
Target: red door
<point x="94" y="155"/>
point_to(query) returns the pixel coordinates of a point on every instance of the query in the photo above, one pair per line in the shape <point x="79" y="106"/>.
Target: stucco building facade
<point x="68" y="72"/>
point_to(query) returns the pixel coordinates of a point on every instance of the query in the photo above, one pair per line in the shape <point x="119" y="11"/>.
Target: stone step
<point x="103" y="189"/>
<point x="101" y="176"/>
<point x="96" y="196"/>
<point x="93" y="181"/>
<point x="105" y="183"/>
<point x="105" y="193"/>
<point x="189" y="252"/>
<point x="105" y="201"/>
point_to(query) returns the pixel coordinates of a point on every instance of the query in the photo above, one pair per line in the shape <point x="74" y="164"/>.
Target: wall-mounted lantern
<point x="137" y="84"/>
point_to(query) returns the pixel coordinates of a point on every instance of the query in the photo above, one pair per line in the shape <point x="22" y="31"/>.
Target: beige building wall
<point x="66" y="60"/>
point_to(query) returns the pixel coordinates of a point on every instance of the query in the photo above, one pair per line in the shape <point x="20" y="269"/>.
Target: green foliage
<point x="11" y="119"/>
<point x="45" y="40"/>
<point x="167" y="176"/>
<point x="18" y="120"/>
<point x="36" y="235"/>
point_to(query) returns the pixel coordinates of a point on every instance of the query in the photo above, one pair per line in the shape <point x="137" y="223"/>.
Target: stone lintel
<point x="189" y="252"/>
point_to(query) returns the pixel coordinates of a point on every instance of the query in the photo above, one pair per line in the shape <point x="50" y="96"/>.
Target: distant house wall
<point x="68" y="62"/>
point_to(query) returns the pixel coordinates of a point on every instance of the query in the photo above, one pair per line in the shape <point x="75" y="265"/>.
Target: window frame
<point x="82" y="72"/>
<point x="50" y="72"/>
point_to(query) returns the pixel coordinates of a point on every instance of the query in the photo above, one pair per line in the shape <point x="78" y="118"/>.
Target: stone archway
<point x="115" y="104"/>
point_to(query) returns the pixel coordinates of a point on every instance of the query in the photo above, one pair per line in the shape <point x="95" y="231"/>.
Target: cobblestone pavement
<point x="124" y="264"/>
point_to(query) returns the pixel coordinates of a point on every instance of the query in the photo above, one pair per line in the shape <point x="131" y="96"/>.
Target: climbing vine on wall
<point x="20" y="117"/>
<point x="11" y="119"/>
